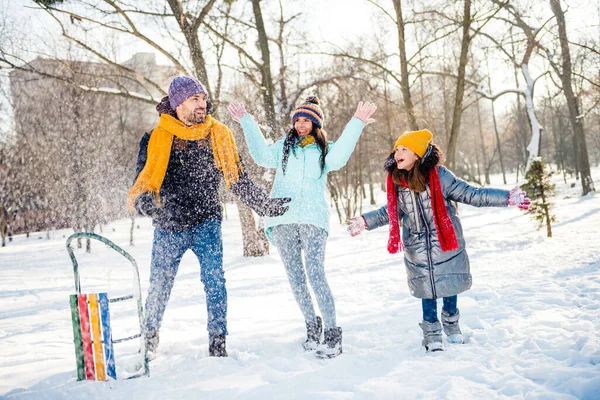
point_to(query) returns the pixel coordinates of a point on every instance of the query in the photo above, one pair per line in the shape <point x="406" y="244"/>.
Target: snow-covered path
<point x="531" y="319"/>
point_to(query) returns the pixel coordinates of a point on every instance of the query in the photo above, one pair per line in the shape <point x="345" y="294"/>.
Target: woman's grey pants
<point x="292" y="239"/>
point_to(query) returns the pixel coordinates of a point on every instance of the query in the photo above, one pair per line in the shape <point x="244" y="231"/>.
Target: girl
<point x="302" y="159"/>
<point x="421" y="192"/>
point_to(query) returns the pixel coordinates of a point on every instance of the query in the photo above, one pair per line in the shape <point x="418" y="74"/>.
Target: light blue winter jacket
<point x="303" y="181"/>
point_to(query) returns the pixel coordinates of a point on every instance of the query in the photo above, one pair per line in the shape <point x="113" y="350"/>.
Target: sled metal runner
<point x="94" y="345"/>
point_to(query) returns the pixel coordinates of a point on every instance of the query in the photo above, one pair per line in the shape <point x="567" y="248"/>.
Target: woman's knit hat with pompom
<point x="311" y="110"/>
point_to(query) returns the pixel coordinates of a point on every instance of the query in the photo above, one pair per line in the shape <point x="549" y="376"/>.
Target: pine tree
<point x="539" y="189"/>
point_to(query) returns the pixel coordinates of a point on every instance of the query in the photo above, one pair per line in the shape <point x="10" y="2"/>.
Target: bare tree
<point x="531" y="44"/>
<point x="575" y="118"/>
<point x="460" y="83"/>
<point x="404" y="85"/>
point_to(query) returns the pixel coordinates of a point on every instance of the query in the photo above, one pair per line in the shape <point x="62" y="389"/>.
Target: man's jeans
<point x="291" y="240"/>
<point x="167" y="250"/>
<point x="430" y="308"/>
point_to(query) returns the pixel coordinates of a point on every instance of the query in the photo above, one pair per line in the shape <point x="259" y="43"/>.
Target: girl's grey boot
<point x="432" y="336"/>
<point x="451" y="327"/>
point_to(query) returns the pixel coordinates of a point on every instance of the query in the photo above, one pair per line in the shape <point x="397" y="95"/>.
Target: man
<point x="180" y="167"/>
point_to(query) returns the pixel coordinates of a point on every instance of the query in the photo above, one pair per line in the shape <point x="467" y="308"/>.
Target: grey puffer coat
<point x="432" y="273"/>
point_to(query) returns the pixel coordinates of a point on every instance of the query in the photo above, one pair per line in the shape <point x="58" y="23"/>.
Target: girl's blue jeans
<point x="430" y="308"/>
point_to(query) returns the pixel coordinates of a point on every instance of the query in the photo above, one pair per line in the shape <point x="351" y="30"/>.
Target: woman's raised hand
<point x="236" y="110"/>
<point x="364" y="111"/>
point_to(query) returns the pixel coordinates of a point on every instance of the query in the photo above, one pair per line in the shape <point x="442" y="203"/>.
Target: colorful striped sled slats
<point x="96" y="337"/>
<point x="92" y="337"/>
<point x="109" y="354"/>
<point x="77" y="340"/>
<point x="86" y="337"/>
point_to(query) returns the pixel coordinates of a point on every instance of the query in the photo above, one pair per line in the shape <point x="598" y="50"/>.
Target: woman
<point x="302" y="160"/>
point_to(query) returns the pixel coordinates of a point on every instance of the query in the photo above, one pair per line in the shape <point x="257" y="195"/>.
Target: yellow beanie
<point x="416" y="141"/>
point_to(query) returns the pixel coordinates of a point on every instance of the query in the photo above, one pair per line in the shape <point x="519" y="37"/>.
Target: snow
<point x="531" y="319"/>
<point x="536" y="130"/>
<point x="109" y="90"/>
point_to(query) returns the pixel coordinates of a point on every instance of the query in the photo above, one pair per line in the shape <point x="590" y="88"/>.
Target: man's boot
<point x="451" y="327"/>
<point x="217" y="346"/>
<point x="313" y="334"/>
<point x="332" y="345"/>
<point x="151" y="339"/>
<point x="432" y="336"/>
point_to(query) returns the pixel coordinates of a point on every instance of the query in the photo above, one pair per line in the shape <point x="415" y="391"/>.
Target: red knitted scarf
<point x="443" y="222"/>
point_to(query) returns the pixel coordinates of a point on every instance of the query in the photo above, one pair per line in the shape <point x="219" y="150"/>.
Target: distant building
<point x="79" y="145"/>
<point x="30" y="90"/>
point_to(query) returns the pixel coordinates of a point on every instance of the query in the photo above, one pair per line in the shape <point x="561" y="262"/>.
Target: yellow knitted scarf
<point x="227" y="159"/>
<point x="306" y="140"/>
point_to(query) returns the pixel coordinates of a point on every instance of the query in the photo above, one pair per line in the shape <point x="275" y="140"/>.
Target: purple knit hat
<point x="182" y="88"/>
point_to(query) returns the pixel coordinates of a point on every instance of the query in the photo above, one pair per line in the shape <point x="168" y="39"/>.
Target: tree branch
<point x="113" y="92"/>
<point x="433" y="41"/>
<point x="383" y="10"/>
<point x="365" y="60"/>
<point x="105" y="59"/>
<point x="232" y="44"/>
<point x="135" y="33"/>
<point x="203" y="13"/>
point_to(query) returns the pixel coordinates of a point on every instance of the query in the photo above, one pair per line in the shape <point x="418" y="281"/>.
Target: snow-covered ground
<point x="531" y="320"/>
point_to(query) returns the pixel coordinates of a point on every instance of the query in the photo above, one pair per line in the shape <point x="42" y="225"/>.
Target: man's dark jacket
<point x="189" y="194"/>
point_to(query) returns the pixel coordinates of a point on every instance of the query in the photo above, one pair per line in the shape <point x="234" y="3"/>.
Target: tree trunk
<point x="404" y="84"/>
<point x="565" y="160"/>
<point x="334" y="196"/>
<point x="482" y="144"/>
<point x="388" y="117"/>
<point x="554" y="133"/>
<point x="445" y="110"/>
<point x="497" y="134"/>
<point x="498" y="146"/>
<point x="587" y="184"/>
<point x="282" y="67"/>
<point x="522" y="138"/>
<point x="371" y="190"/>
<point x="3" y="225"/>
<point x="253" y="244"/>
<point x="535" y="144"/>
<point x="575" y="154"/>
<point x="266" y="77"/>
<point x="88" y="241"/>
<point x="190" y="32"/>
<point x="460" y="85"/>
<point x="547" y="214"/>
<point x="131" y="228"/>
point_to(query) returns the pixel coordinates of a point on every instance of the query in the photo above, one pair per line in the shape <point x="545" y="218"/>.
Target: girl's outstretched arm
<point x="378" y="218"/>
<point x="263" y="154"/>
<point x="458" y="190"/>
<point x="342" y="149"/>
